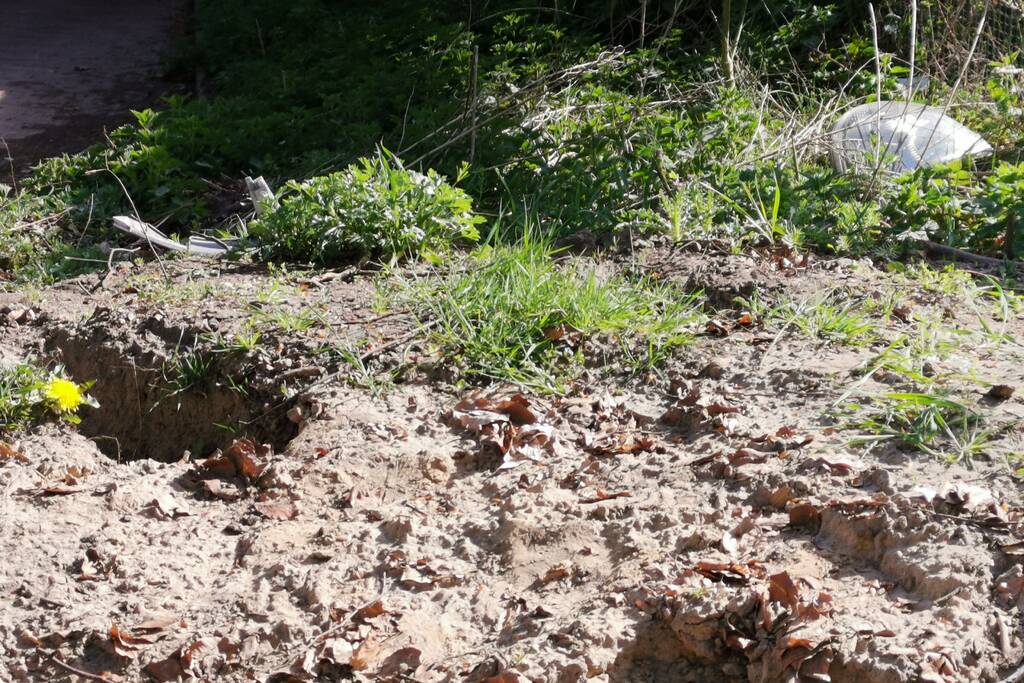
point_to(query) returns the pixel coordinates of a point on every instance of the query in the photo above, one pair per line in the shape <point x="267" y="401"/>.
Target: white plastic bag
<point x="905" y="134"/>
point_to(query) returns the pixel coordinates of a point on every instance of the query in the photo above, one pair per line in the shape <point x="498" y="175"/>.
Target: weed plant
<point x="513" y="313"/>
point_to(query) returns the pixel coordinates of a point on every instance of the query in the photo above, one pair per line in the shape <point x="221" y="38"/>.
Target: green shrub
<point x="374" y="208"/>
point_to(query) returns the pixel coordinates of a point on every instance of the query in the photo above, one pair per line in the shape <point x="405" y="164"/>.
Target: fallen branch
<point x="961" y="255"/>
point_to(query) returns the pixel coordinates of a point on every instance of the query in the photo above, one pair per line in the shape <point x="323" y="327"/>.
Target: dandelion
<point x="64" y="395"/>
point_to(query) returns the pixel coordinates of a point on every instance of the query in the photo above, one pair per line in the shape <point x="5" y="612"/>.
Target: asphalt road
<point x="69" y="69"/>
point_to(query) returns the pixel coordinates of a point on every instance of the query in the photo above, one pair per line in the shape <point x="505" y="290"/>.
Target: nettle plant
<point x="375" y="208"/>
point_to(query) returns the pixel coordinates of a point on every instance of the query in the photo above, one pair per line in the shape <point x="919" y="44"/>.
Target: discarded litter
<point x="263" y="200"/>
<point x="196" y="245"/>
<point x="907" y="135"/>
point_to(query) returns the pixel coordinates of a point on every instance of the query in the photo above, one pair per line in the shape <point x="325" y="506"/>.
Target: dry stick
<point x="1011" y="235"/>
<point x="135" y="211"/>
<point x="643" y="22"/>
<point x="475" y="72"/>
<point x="878" y="90"/>
<point x="962" y="255"/>
<point x="373" y="353"/>
<point x="913" y="49"/>
<point x="527" y="89"/>
<point x="10" y="160"/>
<point x="78" y="672"/>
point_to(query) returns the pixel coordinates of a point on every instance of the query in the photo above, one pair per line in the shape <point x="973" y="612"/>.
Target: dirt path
<point x="70" y="68"/>
<point x="714" y="523"/>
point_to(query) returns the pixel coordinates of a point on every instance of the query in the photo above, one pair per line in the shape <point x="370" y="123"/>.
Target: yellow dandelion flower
<point x="64" y="395"/>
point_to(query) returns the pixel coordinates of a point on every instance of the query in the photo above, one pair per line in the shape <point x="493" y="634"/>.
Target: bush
<point x="375" y="208"/>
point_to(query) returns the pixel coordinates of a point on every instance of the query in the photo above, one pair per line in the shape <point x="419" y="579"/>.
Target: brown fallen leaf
<point x="505" y="677"/>
<point x="7" y="452"/>
<point x="59" y="490"/>
<point x="374" y="609"/>
<point x="221" y="489"/>
<point x="400" y="664"/>
<point x="783" y="590"/>
<point x="366" y="654"/>
<point x="159" y="623"/>
<point x="731" y="572"/>
<point x="165" y="506"/>
<point x="567" y="333"/>
<point x="805" y="516"/>
<point x="556" y="573"/>
<point x="618" y="444"/>
<point x="166" y="670"/>
<point x="281" y="510"/>
<point x="127" y="645"/>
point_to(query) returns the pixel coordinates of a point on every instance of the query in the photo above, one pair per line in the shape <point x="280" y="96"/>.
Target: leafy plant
<point x="376" y="208"/>
<point x="30" y="394"/>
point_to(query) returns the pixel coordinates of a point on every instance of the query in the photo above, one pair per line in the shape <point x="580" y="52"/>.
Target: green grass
<point x="933" y="423"/>
<point x="830" y="317"/>
<point x="513" y="313"/>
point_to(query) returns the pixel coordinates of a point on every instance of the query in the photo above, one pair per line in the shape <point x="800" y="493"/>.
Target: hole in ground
<point x="153" y="408"/>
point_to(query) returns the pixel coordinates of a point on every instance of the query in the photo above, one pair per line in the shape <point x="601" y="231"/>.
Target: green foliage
<point x="932" y="423"/>
<point x="375" y="208"/>
<point x="30" y="394"/>
<point x="515" y="314"/>
<point x="578" y="123"/>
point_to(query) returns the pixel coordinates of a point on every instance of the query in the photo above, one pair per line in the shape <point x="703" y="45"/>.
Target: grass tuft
<point x="513" y="313"/>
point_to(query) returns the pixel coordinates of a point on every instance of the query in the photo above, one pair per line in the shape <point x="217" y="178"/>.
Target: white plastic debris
<point x="197" y="245"/>
<point x="906" y="136"/>
<point x="263" y="199"/>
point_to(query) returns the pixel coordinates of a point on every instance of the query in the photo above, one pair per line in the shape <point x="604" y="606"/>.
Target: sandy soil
<point x="71" y="68"/>
<point x="711" y="523"/>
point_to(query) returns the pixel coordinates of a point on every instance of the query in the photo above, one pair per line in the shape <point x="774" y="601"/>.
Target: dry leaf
<point x="365" y="654"/>
<point x="374" y="609"/>
<point x="59" y="490"/>
<point x="127" y="645"/>
<point x="165" y="506"/>
<point x="280" y="510"/>
<point x="8" y="452"/>
<point x="805" y="516"/>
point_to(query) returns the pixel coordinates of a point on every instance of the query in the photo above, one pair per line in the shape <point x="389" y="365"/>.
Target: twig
<point x="78" y="672"/>
<point x="961" y="255"/>
<point x="474" y="76"/>
<point x="373" y="353"/>
<point x="135" y="211"/>
<point x="913" y="49"/>
<point x="963" y="72"/>
<point x="10" y="161"/>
